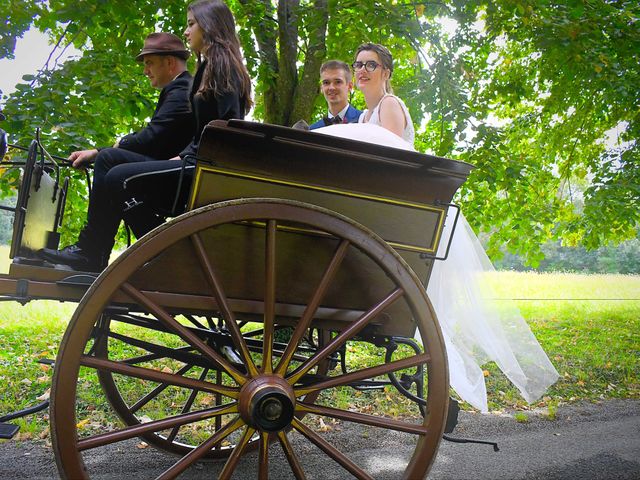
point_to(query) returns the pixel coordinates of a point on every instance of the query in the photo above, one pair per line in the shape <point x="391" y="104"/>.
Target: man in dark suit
<point x="168" y="132"/>
<point x="336" y="84"/>
<point x="171" y="127"/>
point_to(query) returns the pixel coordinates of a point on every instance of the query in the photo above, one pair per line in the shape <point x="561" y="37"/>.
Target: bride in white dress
<point x="476" y="328"/>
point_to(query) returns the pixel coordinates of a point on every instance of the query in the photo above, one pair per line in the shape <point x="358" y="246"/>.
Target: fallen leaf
<point x="44" y="396"/>
<point x="82" y="423"/>
<point x="323" y="427"/>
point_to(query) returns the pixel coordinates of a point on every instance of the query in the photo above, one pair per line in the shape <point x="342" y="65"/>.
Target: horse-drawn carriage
<point x="241" y="324"/>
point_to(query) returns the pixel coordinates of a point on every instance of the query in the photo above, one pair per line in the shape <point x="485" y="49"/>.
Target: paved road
<point x="584" y="442"/>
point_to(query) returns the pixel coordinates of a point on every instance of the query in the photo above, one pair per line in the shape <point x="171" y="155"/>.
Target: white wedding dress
<point x="476" y="327"/>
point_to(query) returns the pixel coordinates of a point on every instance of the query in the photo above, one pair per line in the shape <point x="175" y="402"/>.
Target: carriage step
<point x="452" y="421"/>
<point x="8" y="430"/>
<point x="31" y="261"/>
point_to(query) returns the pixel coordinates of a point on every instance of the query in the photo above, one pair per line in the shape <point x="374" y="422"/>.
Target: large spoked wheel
<point x="220" y="360"/>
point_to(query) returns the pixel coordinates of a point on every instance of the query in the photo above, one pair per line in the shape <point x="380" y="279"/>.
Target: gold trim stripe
<point x="440" y="211"/>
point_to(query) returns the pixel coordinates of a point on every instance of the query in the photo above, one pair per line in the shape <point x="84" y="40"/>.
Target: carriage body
<point x="285" y="229"/>
<point x="399" y="195"/>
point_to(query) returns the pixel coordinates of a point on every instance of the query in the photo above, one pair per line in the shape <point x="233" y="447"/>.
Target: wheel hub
<point x="267" y="403"/>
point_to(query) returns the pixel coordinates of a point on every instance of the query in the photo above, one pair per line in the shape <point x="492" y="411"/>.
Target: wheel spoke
<point x="362" y="418"/>
<point x="346" y="334"/>
<point x="181" y="354"/>
<point x="218" y="397"/>
<point x="307" y="316"/>
<point x="187" y="406"/>
<point x="183" y="332"/>
<point x="157" y="376"/>
<point x="263" y="456"/>
<point x="156" y="391"/>
<point x="331" y="451"/>
<point x="156" y="426"/>
<point x="223" y="304"/>
<point x="234" y="458"/>
<point x="201" y="450"/>
<point x="296" y="468"/>
<point x="269" y="297"/>
<point x="340" y="380"/>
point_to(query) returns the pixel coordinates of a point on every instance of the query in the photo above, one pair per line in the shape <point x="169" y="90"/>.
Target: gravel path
<point x="587" y="441"/>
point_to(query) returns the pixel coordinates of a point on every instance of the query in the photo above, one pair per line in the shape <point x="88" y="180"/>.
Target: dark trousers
<point x="132" y="187"/>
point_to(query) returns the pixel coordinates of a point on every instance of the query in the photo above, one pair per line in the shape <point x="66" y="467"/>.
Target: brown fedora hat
<point x="163" y="44"/>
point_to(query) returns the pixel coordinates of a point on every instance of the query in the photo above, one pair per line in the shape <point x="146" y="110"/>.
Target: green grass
<point x="594" y="344"/>
<point x="589" y="327"/>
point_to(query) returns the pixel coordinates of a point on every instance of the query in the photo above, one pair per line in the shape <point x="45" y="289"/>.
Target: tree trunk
<point x="287" y="79"/>
<point x="307" y="89"/>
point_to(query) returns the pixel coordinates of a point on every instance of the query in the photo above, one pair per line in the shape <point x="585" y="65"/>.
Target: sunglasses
<point x="369" y="66"/>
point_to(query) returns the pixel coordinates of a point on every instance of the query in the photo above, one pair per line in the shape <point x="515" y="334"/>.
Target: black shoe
<point x="76" y="258"/>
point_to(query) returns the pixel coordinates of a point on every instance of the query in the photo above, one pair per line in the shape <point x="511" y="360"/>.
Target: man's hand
<point x="80" y="158"/>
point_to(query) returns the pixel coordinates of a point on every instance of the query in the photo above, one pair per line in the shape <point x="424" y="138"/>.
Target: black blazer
<point x="224" y="106"/>
<point x="170" y="128"/>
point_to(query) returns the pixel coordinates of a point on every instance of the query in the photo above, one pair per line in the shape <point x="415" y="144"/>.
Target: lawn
<point x="588" y="324"/>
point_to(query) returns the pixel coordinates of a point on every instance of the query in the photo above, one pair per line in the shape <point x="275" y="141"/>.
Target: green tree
<point x="526" y="91"/>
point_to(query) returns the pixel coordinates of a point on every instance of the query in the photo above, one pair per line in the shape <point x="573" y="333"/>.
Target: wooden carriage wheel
<point x="265" y="392"/>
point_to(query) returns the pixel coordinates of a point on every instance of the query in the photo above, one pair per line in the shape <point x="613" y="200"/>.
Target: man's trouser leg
<point x="146" y="192"/>
<point x="98" y="235"/>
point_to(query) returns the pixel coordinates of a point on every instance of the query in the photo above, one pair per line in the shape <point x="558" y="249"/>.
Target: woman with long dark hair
<point x="142" y="190"/>
<point x="221" y="87"/>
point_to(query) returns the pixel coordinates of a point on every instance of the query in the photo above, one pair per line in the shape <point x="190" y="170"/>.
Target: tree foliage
<point x="526" y="91"/>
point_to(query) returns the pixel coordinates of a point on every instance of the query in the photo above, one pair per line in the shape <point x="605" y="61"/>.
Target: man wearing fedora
<point x="168" y="132"/>
<point x="171" y="127"/>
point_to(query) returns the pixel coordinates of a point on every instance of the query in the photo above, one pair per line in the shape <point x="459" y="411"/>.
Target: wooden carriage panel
<point x="306" y="157"/>
<point x="237" y="251"/>
<point x="398" y="194"/>
<point x="404" y="225"/>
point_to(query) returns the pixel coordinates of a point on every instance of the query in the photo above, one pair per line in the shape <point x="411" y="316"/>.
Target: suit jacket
<point x="352" y="116"/>
<point x="171" y="126"/>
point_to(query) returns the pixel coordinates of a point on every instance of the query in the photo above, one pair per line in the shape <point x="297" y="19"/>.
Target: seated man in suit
<point x="168" y="132"/>
<point x="336" y="84"/>
<point x="164" y="59"/>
